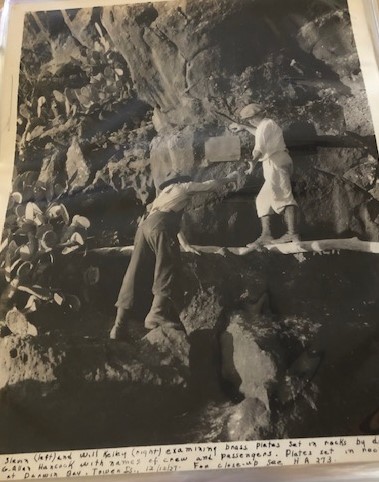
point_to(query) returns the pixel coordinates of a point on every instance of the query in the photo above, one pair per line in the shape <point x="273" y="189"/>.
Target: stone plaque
<point x="223" y="148"/>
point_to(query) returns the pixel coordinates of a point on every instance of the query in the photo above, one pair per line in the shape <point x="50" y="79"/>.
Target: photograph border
<point x="366" y="37"/>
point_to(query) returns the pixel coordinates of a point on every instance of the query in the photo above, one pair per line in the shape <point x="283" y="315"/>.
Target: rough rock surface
<point x="144" y="88"/>
<point x="47" y="360"/>
<point x="125" y="96"/>
<point x="248" y="421"/>
<point x="172" y="346"/>
<point x="123" y="386"/>
<point x="245" y="363"/>
<point x="76" y="167"/>
<point x="223" y="382"/>
<point x="250" y="353"/>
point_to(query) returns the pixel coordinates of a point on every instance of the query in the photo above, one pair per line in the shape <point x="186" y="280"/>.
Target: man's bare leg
<point x="290" y="218"/>
<point x="266" y="236"/>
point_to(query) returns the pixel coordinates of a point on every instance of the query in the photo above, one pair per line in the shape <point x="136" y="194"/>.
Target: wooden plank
<point x="315" y="246"/>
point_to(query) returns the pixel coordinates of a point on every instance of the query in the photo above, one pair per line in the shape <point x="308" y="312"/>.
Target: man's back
<point x="269" y="139"/>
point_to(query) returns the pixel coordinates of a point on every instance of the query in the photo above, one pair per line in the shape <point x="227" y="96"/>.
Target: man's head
<point x="252" y="111"/>
<point x="175" y="179"/>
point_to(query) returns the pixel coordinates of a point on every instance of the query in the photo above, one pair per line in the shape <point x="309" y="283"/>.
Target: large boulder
<point x="247" y="363"/>
<point x="81" y="392"/>
<point x="48" y="360"/>
<point x="77" y="168"/>
<point x="330" y="39"/>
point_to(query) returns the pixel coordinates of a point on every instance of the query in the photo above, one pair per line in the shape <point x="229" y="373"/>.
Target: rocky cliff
<point x="131" y="93"/>
<point x="111" y="101"/>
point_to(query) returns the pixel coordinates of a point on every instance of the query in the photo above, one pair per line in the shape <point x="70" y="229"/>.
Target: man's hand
<point x="222" y="252"/>
<point x="190" y="249"/>
<point x="256" y="155"/>
<point x="187" y="248"/>
<point x="250" y="168"/>
<point x="234" y="127"/>
<point x="232" y="180"/>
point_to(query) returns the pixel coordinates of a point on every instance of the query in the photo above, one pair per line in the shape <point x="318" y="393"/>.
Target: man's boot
<point x="265" y="237"/>
<point x="119" y="329"/>
<point x="163" y="312"/>
<point x="290" y="215"/>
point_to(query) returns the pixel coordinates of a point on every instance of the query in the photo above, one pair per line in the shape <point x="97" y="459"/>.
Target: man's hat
<point x="251" y="110"/>
<point x="176" y="178"/>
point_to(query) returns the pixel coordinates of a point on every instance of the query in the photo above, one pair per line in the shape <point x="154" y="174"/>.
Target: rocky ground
<point x="111" y="101"/>
<point x="240" y="374"/>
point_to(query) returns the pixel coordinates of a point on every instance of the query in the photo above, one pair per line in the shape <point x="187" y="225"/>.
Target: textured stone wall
<point x="129" y="94"/>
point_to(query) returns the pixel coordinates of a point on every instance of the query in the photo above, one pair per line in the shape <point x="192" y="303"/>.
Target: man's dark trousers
<point x="156" y="251"/>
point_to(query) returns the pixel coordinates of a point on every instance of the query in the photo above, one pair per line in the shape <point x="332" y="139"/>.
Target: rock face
<point x="245" y="362"/>
<point x="249" y="369"/>
<point x="152" y="86"/>
<point x="47" y="360"/>
<point x="124" y="97"/>
<point x="76" y="167"/>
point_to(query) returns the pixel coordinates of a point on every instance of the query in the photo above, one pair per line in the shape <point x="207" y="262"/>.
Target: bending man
<point x="276" y="193"/>
<point x="157" y="250"/>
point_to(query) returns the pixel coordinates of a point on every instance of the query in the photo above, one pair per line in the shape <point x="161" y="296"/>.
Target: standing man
<point x="157" y="251"/>
<point x="276" y="193"/>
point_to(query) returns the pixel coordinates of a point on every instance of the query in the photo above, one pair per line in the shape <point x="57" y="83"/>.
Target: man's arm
<point x="192" y="188"/>
<point x="251" y="166"/>
<point x="257" y="154"/>
<point x="185" y="244"/>
<point x="206" y="186"/>
<point x="234" y="127"/>
<point x="231" y="180"/>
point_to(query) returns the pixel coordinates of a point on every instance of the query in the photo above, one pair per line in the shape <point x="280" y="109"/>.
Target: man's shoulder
<point x="178" y="188"/>
<point x="269" y="122"/>
<point x="269" y="126"/>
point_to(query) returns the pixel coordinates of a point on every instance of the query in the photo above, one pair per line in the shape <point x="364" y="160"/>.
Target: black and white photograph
<point x="190" y="251"/>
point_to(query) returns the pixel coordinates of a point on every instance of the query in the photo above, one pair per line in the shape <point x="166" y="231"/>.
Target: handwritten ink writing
<point x="227" y="455"/>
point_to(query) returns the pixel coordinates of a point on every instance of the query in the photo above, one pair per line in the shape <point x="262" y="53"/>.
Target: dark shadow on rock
<point x="205" y="366"/>
<point x="114" y="267"/>
<point x="301" y="136"/>
<point x="230" y="386"/>
<point x="42" y="417"/>
<point x="129" y="113"/>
